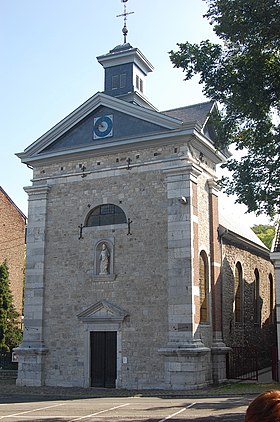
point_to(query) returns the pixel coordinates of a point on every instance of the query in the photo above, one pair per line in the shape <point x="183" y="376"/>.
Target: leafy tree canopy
<point x="242" y="73"/>
<point x="265" y="233"/>
<point x="10" y="333"/>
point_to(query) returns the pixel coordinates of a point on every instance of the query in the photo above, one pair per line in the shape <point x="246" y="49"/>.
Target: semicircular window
<point x="105" y="215"/>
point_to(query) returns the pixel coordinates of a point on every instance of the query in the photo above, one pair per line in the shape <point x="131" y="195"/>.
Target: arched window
<point x="203" y="286"/>
<point x="257" y="308"/>
<point x="238" y="292"/>
<point x="271" y="298"/>
<point x="105" y="215"/>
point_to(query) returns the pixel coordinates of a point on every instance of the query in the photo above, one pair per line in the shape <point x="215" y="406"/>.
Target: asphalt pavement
<point x="224" y="403"/>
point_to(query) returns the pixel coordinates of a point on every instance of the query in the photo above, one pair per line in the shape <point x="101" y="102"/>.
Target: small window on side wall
<point x="257" y="299"/>
<point x="238" y="292"/>
<point x="105" y="215"/>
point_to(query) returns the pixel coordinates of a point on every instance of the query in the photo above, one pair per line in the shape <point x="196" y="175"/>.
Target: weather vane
<point x="124" y="14"/>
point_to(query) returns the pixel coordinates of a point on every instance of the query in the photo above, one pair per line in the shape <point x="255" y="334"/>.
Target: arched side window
<point x="105" y="215"/>
<point x="203" y="287"/>
<point x="257" y="308"/>
<point x="271" y="299"/>
<point x="238" y="292"/>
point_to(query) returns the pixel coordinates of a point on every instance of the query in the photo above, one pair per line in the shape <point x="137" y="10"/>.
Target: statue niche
<point x="104" y="259"/>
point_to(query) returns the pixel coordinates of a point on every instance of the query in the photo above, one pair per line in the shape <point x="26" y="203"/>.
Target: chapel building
<point x="134" y="278"/>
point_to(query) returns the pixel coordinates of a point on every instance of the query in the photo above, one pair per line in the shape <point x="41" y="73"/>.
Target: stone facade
<point x="155" y="174"/>
<point x="12" y="245"/>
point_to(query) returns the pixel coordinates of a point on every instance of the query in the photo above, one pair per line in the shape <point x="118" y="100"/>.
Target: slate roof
<point x="233" y="223"/>
<point x="193" y="113"/>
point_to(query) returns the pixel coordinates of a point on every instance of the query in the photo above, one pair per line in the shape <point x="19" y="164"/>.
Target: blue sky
<point x="49" y="66"/>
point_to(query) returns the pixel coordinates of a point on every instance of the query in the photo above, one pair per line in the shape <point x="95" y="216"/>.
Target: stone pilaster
<point x="185" y="356"/>
<point x="275" y="258"/>
<point x="32" y="350"/>
<point x="218" y="349"/>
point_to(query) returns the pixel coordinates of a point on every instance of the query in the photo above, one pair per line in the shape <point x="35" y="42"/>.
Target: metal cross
<point x="129" y="160"/>
<point x="129" y="222"/>
<point x="81" y="231"/>
<point x="124" y="14"/>
<point x="83" y="168"/>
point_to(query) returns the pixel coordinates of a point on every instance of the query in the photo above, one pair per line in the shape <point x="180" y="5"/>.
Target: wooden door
<point x="103" y="354"/>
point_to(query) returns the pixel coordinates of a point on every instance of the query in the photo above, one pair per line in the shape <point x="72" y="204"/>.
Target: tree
<point x="10" y="333"/>
<point x="242" y="75"/>
<point x="265" y="233"/>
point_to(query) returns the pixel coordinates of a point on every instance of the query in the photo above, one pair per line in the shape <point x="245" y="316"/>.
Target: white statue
<point x="104" y="260"/>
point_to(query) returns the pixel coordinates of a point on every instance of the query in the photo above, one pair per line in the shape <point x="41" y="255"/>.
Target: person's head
<point x="265" y="408"/>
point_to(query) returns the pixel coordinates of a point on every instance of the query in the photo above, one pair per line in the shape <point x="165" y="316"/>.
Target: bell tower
<point x="126" y="69"/>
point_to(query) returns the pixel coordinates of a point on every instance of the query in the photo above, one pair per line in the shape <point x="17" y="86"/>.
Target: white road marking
<point x="98" y="413"/>
<point x="33" y="410"/>
<point x="177" y="413"/>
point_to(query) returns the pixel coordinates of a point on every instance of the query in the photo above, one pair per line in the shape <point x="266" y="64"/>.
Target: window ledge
<point x="103" y="277"/>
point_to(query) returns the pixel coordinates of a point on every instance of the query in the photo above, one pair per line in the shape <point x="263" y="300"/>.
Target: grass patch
<point x="244" y="388"/>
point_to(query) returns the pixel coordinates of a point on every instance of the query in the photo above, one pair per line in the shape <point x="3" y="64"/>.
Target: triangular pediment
<point x="101" y="122"/>
<point x="103" y="311"/>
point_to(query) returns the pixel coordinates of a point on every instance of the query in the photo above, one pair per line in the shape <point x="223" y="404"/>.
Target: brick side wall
<point x="248" y="332"/>
<point x="12" y="246"/>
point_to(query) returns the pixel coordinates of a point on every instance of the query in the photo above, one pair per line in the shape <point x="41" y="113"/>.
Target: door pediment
<point x="103" y="311"/>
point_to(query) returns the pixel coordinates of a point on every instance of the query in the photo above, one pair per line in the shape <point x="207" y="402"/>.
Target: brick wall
<point x="248" y="332"/>
<point x="12" y="245"/>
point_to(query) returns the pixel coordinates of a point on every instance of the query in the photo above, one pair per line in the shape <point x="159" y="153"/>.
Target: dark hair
<point x="265" y="408"/>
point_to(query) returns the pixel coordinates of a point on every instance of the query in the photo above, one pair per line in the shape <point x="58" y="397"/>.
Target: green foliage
<point x="10" y="334"/>
<point x="242" y="75"/>
<point x="265" y="233"/>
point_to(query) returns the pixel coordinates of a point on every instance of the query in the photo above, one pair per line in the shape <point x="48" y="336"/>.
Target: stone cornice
<point x="37" y="192"/>
<point x="185" y="169"/>
<point x="213" y="187"/>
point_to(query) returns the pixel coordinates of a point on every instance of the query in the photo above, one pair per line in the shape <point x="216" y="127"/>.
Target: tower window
<point x="115" y="81"/>
<point x="139" y="83"/>
<point x="106" y="214"/>
<point x="123" y="80"/>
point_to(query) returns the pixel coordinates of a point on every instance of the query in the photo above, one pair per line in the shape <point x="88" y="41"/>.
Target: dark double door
<point x="103" y="347"/>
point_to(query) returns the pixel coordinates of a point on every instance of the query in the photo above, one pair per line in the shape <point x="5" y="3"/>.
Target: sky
<point x="49" y="67"/>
